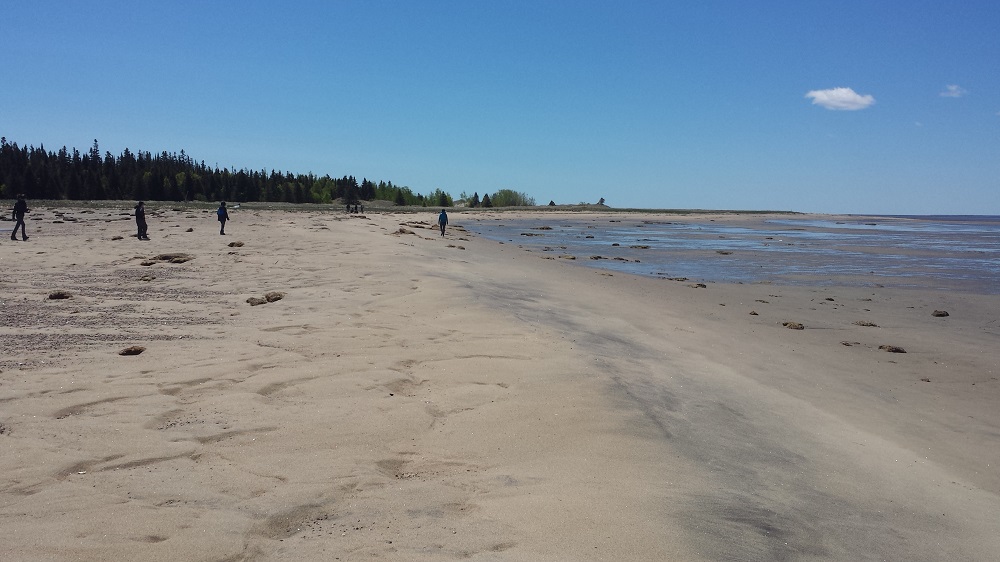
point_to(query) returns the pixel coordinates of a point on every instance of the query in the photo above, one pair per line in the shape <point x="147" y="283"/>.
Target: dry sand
<point x="413" y="397"/>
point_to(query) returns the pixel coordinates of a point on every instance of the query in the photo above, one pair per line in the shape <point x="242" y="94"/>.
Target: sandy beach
<point x="407" y="396"/>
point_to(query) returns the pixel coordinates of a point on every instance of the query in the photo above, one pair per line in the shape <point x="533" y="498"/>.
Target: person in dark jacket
<point x="140" y="220"/>
<point x="20" y="207"/>
<point x="223" y="217"/>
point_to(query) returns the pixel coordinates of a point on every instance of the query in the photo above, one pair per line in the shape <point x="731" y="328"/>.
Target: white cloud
<point x="844" y="99"/>
<point x="953" y="91"/>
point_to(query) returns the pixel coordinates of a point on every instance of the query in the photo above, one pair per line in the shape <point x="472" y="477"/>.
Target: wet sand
<point x="418" y="397"/>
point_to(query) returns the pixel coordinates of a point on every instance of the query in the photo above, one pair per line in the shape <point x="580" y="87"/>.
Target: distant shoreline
<point x="388" y="206"/>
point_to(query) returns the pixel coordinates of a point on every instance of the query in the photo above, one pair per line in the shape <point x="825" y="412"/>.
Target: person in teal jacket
<point x="443" y="221"/>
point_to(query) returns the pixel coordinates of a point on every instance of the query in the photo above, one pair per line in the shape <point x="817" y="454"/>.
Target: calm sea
<point x="933" y="252"/>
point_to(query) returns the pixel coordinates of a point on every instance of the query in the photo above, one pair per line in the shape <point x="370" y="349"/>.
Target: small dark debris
<point x="173" y="258"/>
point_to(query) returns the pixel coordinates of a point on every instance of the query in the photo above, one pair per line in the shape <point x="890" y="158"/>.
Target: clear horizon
<point x="890" y="108"/>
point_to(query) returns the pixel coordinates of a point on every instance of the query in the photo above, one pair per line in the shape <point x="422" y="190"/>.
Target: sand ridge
<point x="417" y="397"/>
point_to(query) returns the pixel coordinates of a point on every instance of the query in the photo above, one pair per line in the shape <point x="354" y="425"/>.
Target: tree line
<point x="502" y="198"/>
<point x="144" y="176"/>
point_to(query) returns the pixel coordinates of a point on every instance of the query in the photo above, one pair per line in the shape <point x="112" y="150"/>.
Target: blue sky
<point x="713" y="105"/>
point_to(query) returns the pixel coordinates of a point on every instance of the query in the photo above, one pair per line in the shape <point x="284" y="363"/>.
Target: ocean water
<point x="941" y="252"/>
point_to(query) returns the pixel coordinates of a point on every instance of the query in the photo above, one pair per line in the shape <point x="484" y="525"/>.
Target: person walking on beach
<point x="140" y="220"/>
<point x="443" y="221"/>
<point x="20" y="207"/>
<point x="223" y="217"/>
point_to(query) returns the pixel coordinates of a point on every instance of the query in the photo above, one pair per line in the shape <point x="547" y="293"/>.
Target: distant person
<point x="140" y="220"/>
<point x="20" y="207"/>
<point x="443" y="221"/>
<point x="223" y="217"/>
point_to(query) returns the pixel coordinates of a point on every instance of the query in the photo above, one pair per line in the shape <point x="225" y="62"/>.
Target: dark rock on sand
<point x="174" y="257"/>
<point x="940" y="313"/>
<point x="892" y="349"/>
<point x="133" y="350"/>
<point x="58" y="295"/>
<point x="793" y="325"/>
<point x="254" y="301"/>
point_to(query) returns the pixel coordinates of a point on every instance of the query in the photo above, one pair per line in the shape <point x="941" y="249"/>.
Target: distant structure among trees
<point x="166" y="176"/>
